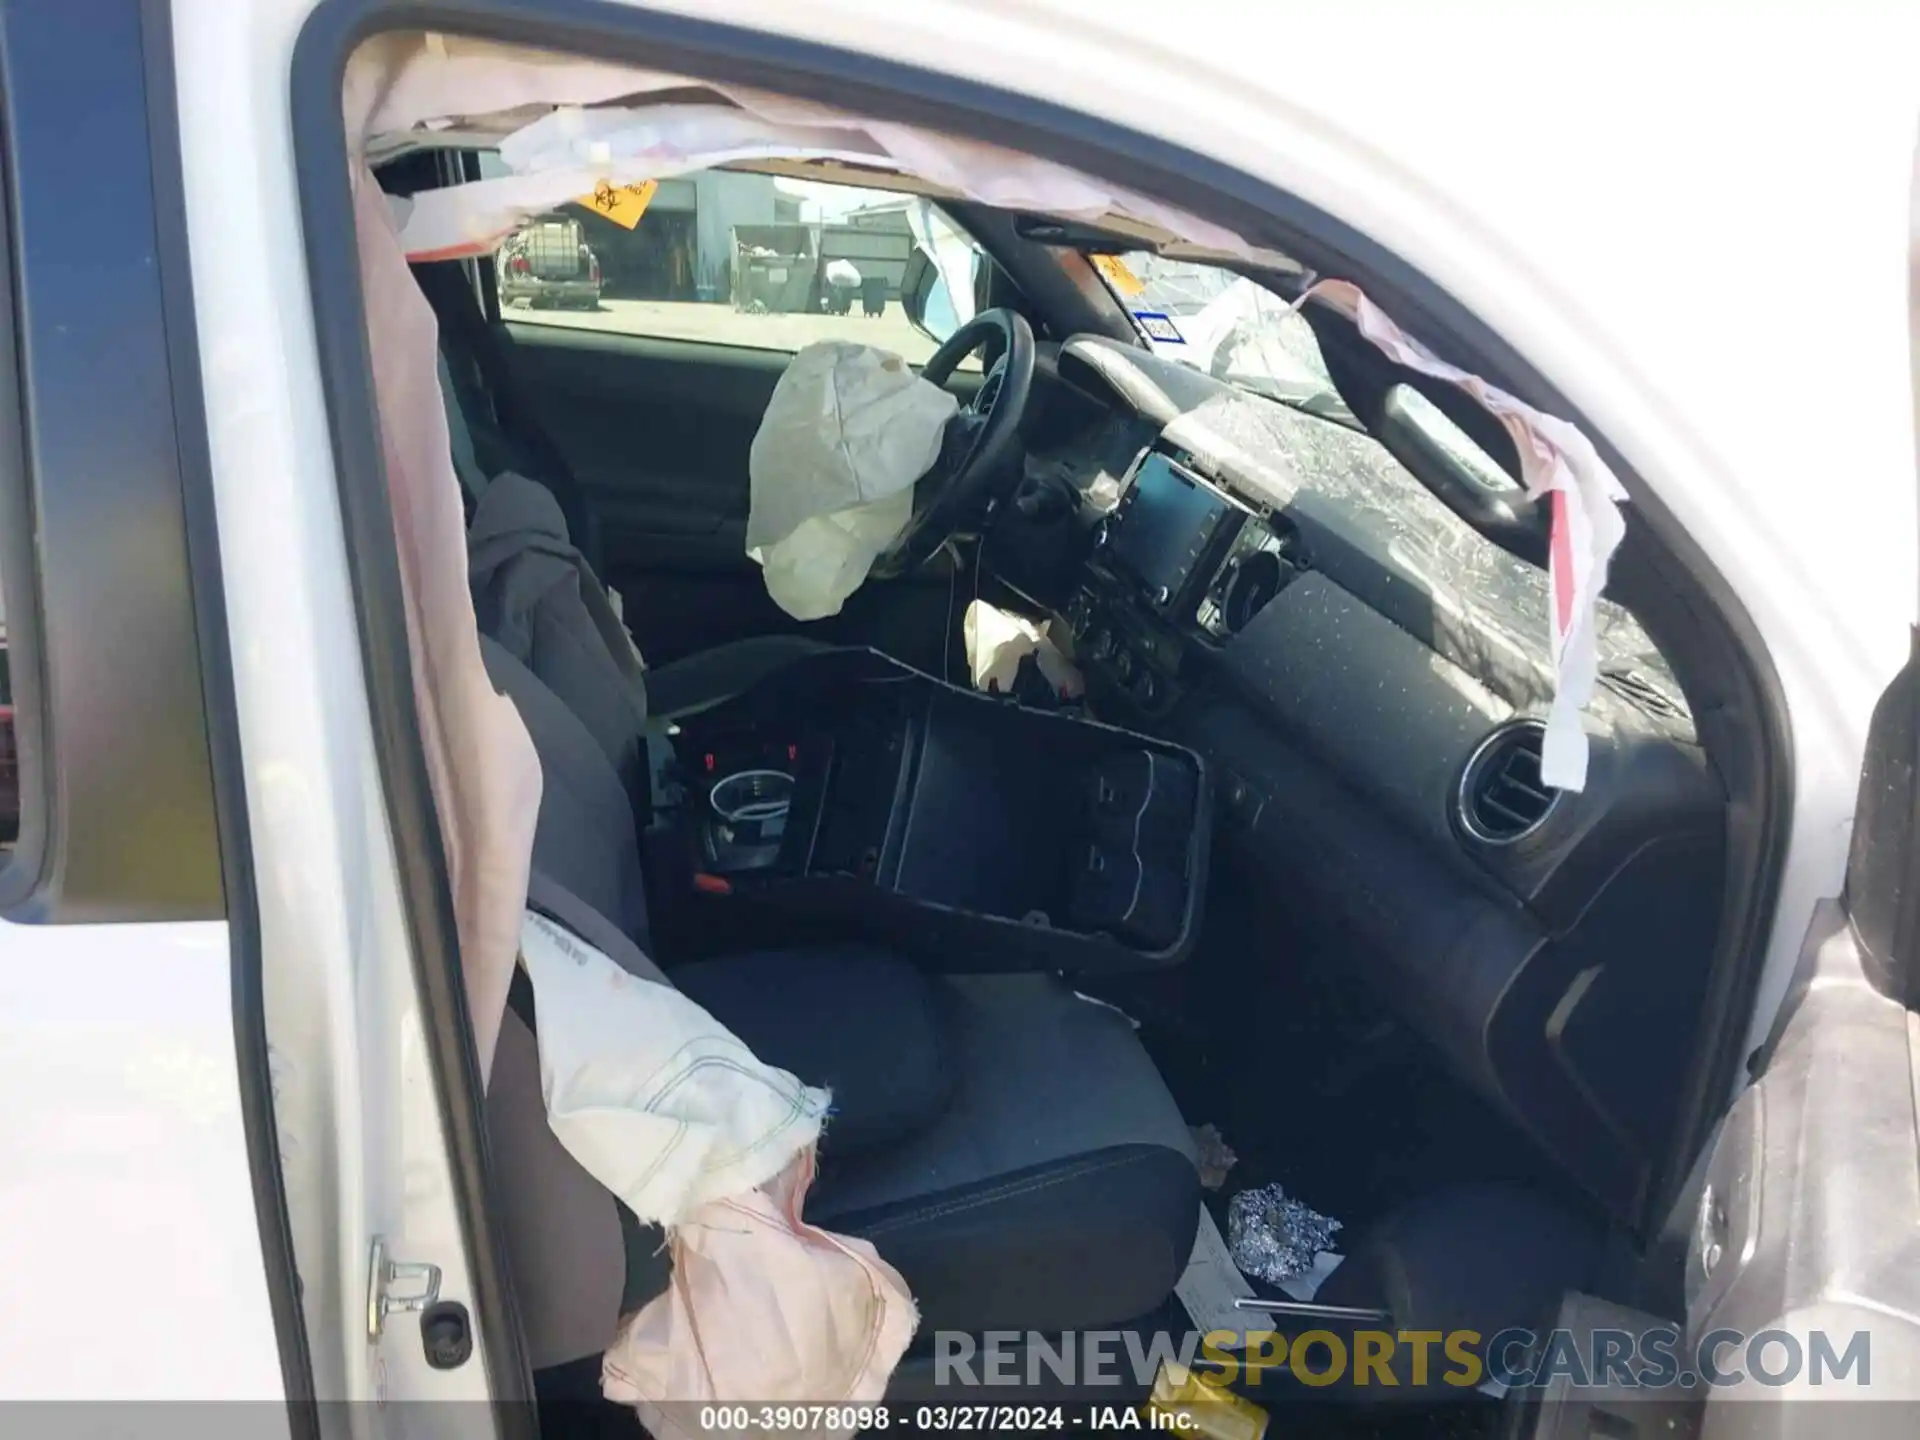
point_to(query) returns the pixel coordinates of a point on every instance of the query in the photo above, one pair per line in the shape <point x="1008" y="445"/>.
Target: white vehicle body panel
<point x="128" y="1243"/>
<point x="360" y="1133"/>
<point x="1709" y="259"/>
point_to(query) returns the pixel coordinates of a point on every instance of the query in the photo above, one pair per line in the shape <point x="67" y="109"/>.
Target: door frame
<point x="1748" y="692"/>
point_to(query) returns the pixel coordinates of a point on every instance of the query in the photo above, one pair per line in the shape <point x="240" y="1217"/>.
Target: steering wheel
<point x="981" y="441"/>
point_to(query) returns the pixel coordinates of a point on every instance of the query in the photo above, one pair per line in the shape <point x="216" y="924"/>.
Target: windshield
<point x="1242" y="333"/>
<point x="1225" y="325"/>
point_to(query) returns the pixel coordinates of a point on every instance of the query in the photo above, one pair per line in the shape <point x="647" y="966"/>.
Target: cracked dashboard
<point x="1364" y="675"/>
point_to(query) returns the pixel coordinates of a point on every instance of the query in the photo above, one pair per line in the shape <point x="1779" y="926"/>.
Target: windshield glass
<point x="1240" y="332"/>
<point x="1225" y="325"/>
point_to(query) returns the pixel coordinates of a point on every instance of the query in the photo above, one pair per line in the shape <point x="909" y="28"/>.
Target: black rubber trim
<point x="1265" y="215"/>
<point x="223" y="722"/>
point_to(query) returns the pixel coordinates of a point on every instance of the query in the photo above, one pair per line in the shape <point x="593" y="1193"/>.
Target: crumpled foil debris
<point x="1273" y="1237"/>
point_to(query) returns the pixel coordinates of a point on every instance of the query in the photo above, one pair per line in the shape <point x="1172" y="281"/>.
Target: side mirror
<point x="929" y="302"/>
<point x="917" y="285"/>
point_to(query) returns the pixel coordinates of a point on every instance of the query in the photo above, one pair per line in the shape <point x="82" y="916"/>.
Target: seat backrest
<point x="584" y="837"/>
<point x="577" y="1261"/>
<point x="565" y="1248"/>
<point x="535" y="595"/>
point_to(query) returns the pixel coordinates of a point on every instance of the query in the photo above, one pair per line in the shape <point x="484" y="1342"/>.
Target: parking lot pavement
<point x="721" y="324"/>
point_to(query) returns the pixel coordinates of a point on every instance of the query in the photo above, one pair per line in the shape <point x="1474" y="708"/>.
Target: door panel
<point x="657" y="431"/>
<point x="1805" y="1215"/>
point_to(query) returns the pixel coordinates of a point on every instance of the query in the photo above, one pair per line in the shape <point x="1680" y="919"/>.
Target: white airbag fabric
<point x="847" y="432"/>
<point x="653" y="1096"/>
<point x="661" y="1104"/>
<point x="567" y="152"/>
<point x="766" y="1307"/>
<point x="998" y="640"/>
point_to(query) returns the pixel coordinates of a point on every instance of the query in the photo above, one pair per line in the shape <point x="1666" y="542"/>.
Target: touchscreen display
<point x="1165" y="527"/>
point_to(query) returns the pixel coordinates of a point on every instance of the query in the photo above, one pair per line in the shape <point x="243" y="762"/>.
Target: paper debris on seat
<point x="1211" y="1283"/>
<point x="998" y="640"/>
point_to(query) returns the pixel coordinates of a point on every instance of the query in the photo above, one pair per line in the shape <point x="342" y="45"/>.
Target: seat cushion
<point x="1058" y="1190"/>
<point x="865" y="1024"/>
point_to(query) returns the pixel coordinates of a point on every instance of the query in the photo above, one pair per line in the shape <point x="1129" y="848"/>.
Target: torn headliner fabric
<point x="405" y="83"/>
<point x="480" y="762"/>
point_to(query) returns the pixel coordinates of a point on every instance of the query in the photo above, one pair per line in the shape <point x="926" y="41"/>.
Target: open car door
<point x="1806" y="1215"/>
<point x="1796" y="1310"/>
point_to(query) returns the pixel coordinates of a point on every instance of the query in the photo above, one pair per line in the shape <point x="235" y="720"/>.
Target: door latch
<point x="396" y="1288"/>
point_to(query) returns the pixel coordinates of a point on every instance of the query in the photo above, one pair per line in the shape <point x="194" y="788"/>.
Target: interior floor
<point x="1309" y="1080"/>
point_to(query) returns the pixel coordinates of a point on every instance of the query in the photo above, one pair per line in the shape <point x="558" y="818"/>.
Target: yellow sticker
<point x="1185" y="1403"/>
<point x="622" y="204"/>
<point x="1118" y="275"/>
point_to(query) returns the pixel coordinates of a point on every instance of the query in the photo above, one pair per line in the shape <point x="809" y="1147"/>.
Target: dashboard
<point x="1366" y="688"/>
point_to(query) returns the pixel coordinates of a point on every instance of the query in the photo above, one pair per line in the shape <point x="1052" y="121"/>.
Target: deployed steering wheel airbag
<point x="848" y="431"/>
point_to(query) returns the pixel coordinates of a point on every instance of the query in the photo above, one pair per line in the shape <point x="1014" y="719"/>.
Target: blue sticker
<point x="1158" y="327"/>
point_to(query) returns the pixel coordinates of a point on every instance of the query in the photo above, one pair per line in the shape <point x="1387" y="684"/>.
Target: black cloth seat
<point x="1057" y="1190"/>
<point x="1008" y="1147"/>
<point x="863" y="1023"/>
<point x="871" y="1028"/>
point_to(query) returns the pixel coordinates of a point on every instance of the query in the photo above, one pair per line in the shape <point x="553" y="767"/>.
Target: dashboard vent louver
<point x="1502" y="797"/>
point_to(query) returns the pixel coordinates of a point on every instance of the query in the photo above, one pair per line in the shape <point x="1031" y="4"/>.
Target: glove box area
<point x="851" y="797"/>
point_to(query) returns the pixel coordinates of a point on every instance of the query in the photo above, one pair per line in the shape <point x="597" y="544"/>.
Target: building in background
<point x="682" y="249"/>
<point x="725" y="236"/>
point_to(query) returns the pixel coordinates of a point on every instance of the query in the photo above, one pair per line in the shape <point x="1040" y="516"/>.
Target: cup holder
<point x="752" y="797"/>
<point x="749" y="817"/>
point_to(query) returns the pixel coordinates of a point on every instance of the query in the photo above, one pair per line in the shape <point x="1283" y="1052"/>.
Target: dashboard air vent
<point x="1502" y="797"/>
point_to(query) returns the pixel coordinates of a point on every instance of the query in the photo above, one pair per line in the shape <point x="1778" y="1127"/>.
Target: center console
<point x="852" y="797"/>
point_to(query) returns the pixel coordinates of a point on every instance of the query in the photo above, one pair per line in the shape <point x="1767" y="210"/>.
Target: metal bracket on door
<point x="421" y="1285"/>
